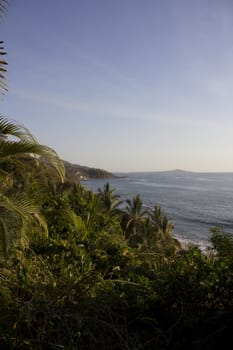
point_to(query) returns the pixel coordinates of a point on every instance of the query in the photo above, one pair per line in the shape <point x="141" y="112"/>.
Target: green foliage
<point x="16" y="140"/>
<point x="88" y="285"/>
<point x="110" y="201"/>
<point x="89" y="274"/>
<point x="18" y="210"/>
<point x="222" y="243"/>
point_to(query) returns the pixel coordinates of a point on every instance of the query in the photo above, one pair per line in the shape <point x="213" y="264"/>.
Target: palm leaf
<point x="18" y="204"/>
<point x="3" y="6"/>
<point x="25" y="143"/>
<point x="3" y="65"/>
<point x="42" y="222"/>
<point x="4" y="235"/>
<point x="9" y="148"/>
<point x="52" y="156"/>
<point x="16" y="212"/>
<point x="12" y="128"/>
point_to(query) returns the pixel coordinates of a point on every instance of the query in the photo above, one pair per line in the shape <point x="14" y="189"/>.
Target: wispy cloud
<point x="106" y="109"/>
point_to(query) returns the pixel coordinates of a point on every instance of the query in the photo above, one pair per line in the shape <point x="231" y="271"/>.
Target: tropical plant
<point x="222" y="243"/>
<point x="16" y="209"/>
<point x="110" y="201"/>
<point x="163" y="225"/>
<point x="163" y="228"/>
<point x="16" y="140"/>
<point x="134" y="218"/>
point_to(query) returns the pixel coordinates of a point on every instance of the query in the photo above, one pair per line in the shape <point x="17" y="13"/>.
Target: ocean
<point x="195" y="202"/>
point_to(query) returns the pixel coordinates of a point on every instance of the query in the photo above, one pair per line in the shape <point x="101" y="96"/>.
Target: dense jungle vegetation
<point x="80" y="270"/>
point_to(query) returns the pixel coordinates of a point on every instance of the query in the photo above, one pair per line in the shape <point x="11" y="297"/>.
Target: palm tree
<point x="162" y="223"/>
<point x="17" y="209"/>
<point x="163" y="227"/>
<point x="109" y="199"/>
<point x="135" y="215"/>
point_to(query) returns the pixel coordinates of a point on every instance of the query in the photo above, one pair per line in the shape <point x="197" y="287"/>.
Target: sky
<point x="124" y="85"/>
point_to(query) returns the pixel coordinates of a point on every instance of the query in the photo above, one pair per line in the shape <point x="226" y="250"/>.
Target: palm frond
<point x="42" y="222"/>
<point x="3" y="65"/>
<point x="3" y="6"/>
<point x="9" y="148"/>
<point x="11" y="128"/>
<point x="52" y="156"/>
<point x="16" y="212"/>
<point x="26" y="144"/>
<point x="18" y="204"/>
<point x="4" y="235"/>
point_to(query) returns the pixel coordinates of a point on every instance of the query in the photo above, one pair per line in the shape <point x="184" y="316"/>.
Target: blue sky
<point x="124" y="85"/>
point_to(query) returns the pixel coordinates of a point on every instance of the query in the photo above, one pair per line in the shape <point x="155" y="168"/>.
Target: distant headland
<point x="76" y="172"/>
<point x="73" y="172"/>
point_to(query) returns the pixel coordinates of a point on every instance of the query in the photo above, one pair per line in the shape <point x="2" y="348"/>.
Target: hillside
<point x="76" y="172"/>
<point x="41" y="170"/>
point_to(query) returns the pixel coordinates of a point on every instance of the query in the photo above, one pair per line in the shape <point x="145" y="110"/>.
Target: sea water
<point x="195" y="202"/>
